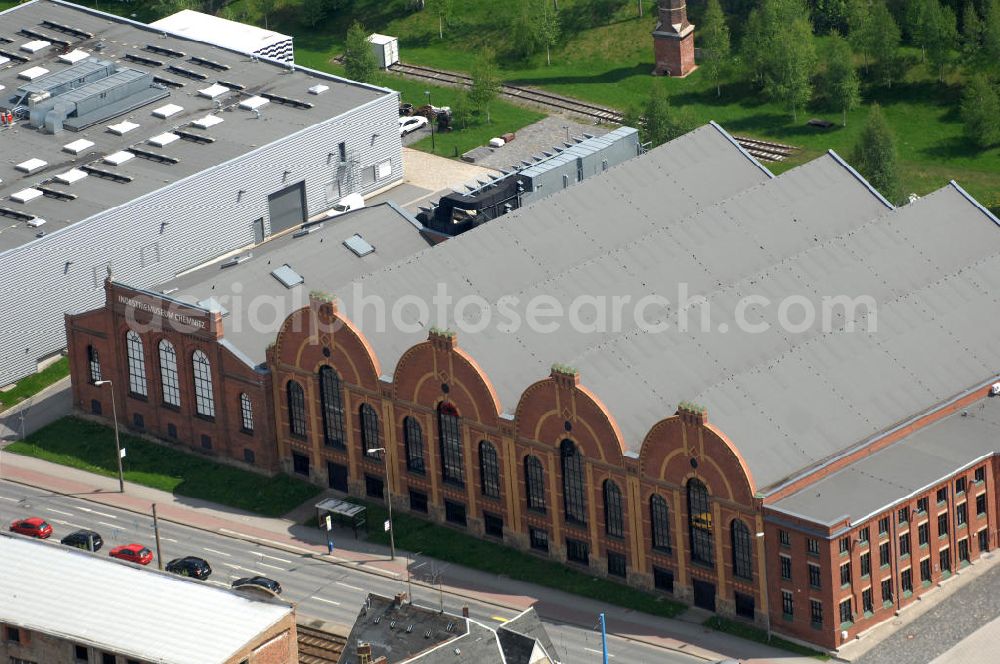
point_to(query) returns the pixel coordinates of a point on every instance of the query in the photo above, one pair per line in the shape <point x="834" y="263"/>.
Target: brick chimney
<point x="465" y="611"/>
<point x="692" y="414"/>
<point x="398" y="600"/>
<point x="565" y="376"/>
<point x="442" y="339"/>
<point x="364" y="652"/>
<point x="673" y="40"/>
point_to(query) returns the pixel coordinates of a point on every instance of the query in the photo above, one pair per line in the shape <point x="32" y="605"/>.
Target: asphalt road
<point x="317" y="587"/>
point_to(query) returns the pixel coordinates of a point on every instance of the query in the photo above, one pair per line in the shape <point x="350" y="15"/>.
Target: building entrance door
<point x="704" y="595"/>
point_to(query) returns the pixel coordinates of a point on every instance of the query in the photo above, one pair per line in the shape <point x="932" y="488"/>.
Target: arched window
<point x="204" y="401"/>
<point x="168" y="374"/>
<point x="659" y="518"/>
<point x="489" y="469"/>
<point x="246" y="412"/>
<point x="614" y="518"/>
<point x="333" y="407"/>
<point x="369" y="431"/>
<point x="94" y="362"/>
<point x="742" y="557"/>
<point x="534" y="480"/>
<point x="700" y="523"/>
<point x="296" y="409"/>
<point x="413" y="440"/>
<point x="136" y="364"/>
<point x="574" y="499"/>
<point x="450" y="437"/>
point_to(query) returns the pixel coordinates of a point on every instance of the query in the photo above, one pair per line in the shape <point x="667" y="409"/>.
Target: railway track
<point x="763" y="150"/>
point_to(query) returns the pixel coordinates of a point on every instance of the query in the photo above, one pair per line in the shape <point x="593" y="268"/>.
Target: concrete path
<point x="555" y="606"/>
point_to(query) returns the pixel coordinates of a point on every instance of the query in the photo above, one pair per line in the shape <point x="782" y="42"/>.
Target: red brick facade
<point x="673" y="40"/>
<point x="437" y="376"/>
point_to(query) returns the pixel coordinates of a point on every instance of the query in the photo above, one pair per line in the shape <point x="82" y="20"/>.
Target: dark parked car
<point x="190" y="566"/>
<point x="81" y="539"/>
<point x="261" y="581"/>
<point x="32" y="527"/>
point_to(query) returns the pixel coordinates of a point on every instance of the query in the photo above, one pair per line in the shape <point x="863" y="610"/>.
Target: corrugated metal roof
<point x="83" y="595"/>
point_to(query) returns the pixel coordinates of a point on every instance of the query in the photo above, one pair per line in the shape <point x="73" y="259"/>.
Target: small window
<point x="617" y="564"/>
<point x="904" y="545"/>
<point x="206" y="442"/>
<point x="846" y="613"/>
<point x="94" y="363"/>
<point x="300" y="464"/>
<point x="867" y="603"/>
<point x="942" y="494"/>
<point x="942" y="525"/>
<point x="845" y="545"/>
<point x="904" y="514"/>
<point x="454" y="513"/>
<point x="925" y="570"/>
<point x="577" y="551"/>
<point x="614" y="519"/>
<point x="784" y="539"/>
<point x="883" y="526"/>
<point x="13" y="634"/>
<point x="815" y="579"/>
<point x="95" y="407"/>
<point x="534" y="479"/>
<point x="883" y="554"/>
<point x="539" y="539"/>
<point x="138" y="421"/>
<point x="336" y="476"/>
<point x="923" y="533"/>
<point x="845" y="574"/>
<point x="906" y="580"/>
<point x="296" y="409"/>
<point x="980" y="474"/>
<point x="663" y="579"/>
<point x="81" y="653"/>
<point x="887" y="591"/>
<point x="246" y="413"/>
<point x="744" y="605"/>
<point x="786" y="567"/>
<point x="489" y="470"/>
<point x="204" y="399"/>
<point x="493" y="525"/>
<point x="981" y="504"/>
<point x="863" y="535"/>
<point x="418" y="501"/>
<point x="963" y="550"/>
<point x="370" y="436"/>
<point x="108" y="658"/>
<point x="866" y="564"/>
<point x="960" y="485"/>
<point x="812" y="546"/>
<point x="944" y="558"/>
<point x="374" y="487"/>
<point x="171" y="430"/>
<point x="249" y="456"/>
<point x="413" y="441"/>
<point x="787" y="604"/>
<point x="922" y="505"/>
<point x="816" y="613"/>
<point x="984" y="540"/>
<point x="961" y="514"/>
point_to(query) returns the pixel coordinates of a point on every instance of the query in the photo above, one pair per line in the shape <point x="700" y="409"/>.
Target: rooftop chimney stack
<point x="399" y="599"/>
<point x="465" y="611"/>
<point x="364" y="652"/>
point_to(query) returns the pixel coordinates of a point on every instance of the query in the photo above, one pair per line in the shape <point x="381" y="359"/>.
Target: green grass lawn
<point x="752" y="633"/>
<point x="90" y="446"/>
<point x="35" y="383"/>
<point x="446" y="544"/>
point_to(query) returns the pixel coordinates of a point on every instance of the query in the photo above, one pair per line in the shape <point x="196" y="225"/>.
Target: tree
<point x="461" y="110"/>
<point x="940" y="33"/>
<point x="883" y="41"/>
<point x="523" y="36"/>
<point x="972" y="33"/>
<point x="858" y="28"/>
<point x="313" y="11"/>
<point x="486" y="81"/>
<point x="875" y="156"/>
<point x="548" y="27"/>
<point x="657" y="121"/>
<point x="991" y="31"/>
<point x="981" y="112"/>
<point x="443" y="9"/>
<point x="359" y="59"/>
<point x="265" y="7"/>
<point x="779" y="50"/>
<point x="841" y="79"/>
<point x="714" y="35"/>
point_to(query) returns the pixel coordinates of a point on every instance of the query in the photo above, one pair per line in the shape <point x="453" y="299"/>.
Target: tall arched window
<point x="700" y="523"/>
<point x="659" y="518"/>
<point x="614" y="518"/>
<point x="489" y="469"/>
<point x="450" y="437"/>
<point x="136" y="364"/>
<point x="168" y="374"/>
<point x="413" y="440"/>
<point x="246" y="412"/>
<point x="94" y="362"/>
<point x="534" y="480"/>
<point x="574" y="499"/>
<point x="742" y="557"/>
<point x="369" y="431"/>
<point x="204" y="400"/>
<point x="296" y="409"/>
<point x="333" y="407"/>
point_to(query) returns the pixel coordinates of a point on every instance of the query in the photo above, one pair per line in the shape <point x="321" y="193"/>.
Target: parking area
<point x="427" y="178"/>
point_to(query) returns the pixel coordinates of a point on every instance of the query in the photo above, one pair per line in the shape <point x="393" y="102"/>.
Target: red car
<point x="33" y="527"/>
<point x="134" y="553"/>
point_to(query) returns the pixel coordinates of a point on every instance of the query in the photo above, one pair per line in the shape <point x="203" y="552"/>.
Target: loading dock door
<point x="287" y="207"/>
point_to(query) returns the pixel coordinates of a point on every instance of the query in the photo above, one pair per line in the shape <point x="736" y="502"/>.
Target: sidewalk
<point x="690" y="638"/>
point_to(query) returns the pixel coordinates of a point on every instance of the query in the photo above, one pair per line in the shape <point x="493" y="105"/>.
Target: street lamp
<point x="388" y="486"/>
<point x="767" y="599"/>
<point x="118" y="447"/>
<point x="433" y="118"/>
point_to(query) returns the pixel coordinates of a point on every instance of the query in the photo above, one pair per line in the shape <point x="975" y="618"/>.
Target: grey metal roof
<point x="320" y="258"/>
<point x="529" y="628"/>
<point x="240" y="133"/>
<point x="913" y="465"/>
<point x="82" y="597"/>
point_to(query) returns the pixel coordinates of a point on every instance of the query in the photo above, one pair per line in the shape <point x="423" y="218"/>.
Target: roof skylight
<point x="252" y="103"/>
<point x="78" y="146"/>
<point x="26" y="195"/>
<point x="118" y="158"/>
<point x="74" y="56"/>
<point x="70" y="176"/>
<point x="32" y="165"/>
<point x="213" y="91"/>
<point x="207" y="121"/>
<point x="122" y="127"/>
<point x="166" y="138"/>
<point x="167" y="111"/>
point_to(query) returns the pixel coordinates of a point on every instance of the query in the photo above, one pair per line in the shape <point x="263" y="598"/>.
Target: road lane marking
<point x="245" y="569"/>
<point x="87" y="509"/>
<point x="221" y="553"/>
<point x="66" y="523"/>
<point x="59" y="511"/>
<point x="169" y="539"/>
<point x="280" y="569"/>
<point x="328" y="601"/>
<point x="109" y="525"/>
<point x="347" y="585"/>
<point x="280" y="560"/>
<point x="13" y="500"/>
<point x="218" y="583"/>
<point x="499" y="618"/>
<point x="597" y="652"/>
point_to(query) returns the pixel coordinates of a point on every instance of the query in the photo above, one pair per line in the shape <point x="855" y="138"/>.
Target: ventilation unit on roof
<point x="211" y="64"/>
<point x="117" y="158"/>
<point x="206" y="122"/>
<point x="35" y="46"/>
<point x="122" y="128"/>
<point x="26" y="195"/>
<point x="67" y="30"/>
<point x="73" y="57"/>
<point x="160" y="50"/>
<point x="87" y="93"/>
<point x="143" y="60"/>
<point x="186" y="73"/>
<point x="236" y="260"/>
<point x="307" y="230"/>
<point x="167" y="110"/>
<point x="995" y="389"/>
<point x="318" y="89"/>
<point x="358" y="245"/>
<point x="252" y="103"/>
<point x="31" y="165"/>
<point x="288" y="277"/>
